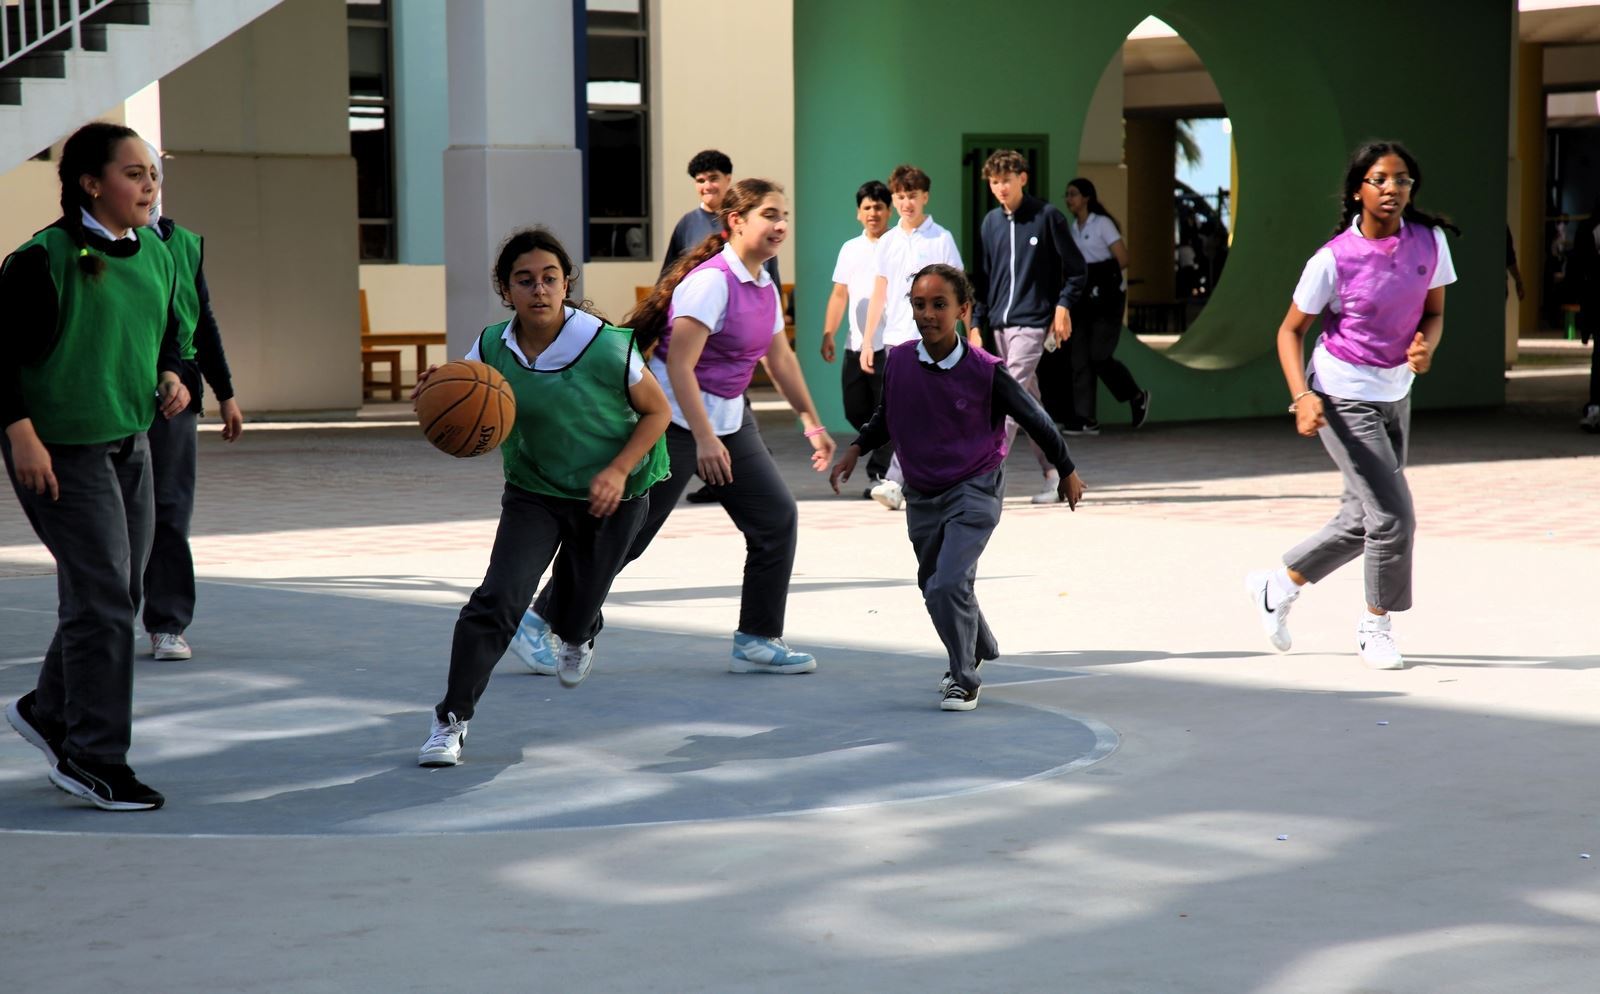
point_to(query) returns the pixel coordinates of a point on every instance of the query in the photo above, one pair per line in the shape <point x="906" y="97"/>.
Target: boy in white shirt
<point x="854" y="276"/>
<point x="903" y="251"/>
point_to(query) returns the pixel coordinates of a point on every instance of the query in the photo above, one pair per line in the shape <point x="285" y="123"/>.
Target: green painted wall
<point x="901" y="80"/>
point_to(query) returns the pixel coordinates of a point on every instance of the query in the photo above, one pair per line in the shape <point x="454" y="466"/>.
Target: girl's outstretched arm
<point x="784" y="369"/>
<point x="1307" y="406"/>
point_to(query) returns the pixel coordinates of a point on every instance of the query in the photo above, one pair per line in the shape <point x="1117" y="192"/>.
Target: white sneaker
<point x="1048" y="495"/>
<point x="535" y="645"/>
<point x="1590" y="421"/>
<point x="889" y="494"/>
<point x="443" y="747"/>
<point x="573" y="662"/>
<point x="1375" y="643"/>
<point x="1274" y="618"/>
<point x="165" y="645"/>
<point x="755" y="654"/>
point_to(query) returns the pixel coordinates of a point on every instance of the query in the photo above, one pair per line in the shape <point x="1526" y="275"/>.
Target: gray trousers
<point x="948" y="533"/>
<point x="762" y="508"/>
<point x="169" y="576"/>
<point x="534" y="530"/>
<point x="1021" y="349"/>
<point x="99" y="533"/>
<point x="1376" y="520"/>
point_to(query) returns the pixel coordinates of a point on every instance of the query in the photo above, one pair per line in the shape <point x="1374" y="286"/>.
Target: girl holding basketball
<point x="579" y="461"/>
<point x="945" y="406"/>
<point x="1379" y="286"/>
<point x="91" y="360"/>
<point x="715" y="315"/>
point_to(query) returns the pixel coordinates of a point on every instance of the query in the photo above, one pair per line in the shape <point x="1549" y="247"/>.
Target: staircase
<point x="65" y="62"/>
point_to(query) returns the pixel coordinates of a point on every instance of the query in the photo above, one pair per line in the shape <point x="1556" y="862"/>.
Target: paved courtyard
<point x="1147" y="800"/>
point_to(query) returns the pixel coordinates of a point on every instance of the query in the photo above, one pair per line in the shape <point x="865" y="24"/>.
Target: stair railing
<point x="29" y="26"/>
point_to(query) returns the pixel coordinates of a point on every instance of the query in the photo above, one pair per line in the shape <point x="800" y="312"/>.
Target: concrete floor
<point x="1148" y="798"/>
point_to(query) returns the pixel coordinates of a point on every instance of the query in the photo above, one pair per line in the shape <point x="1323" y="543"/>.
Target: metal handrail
<point x="40" y="22"/>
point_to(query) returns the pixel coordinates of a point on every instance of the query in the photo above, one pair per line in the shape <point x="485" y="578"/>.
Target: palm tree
<point x="1188" y="146"/>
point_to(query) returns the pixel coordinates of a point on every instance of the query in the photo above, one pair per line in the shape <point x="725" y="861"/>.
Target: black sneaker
<point x="28" y="725"/>
<point x="946" y="680"/>
<point x="108" y="786"/>
<point x="1141" y="408"/>
<point x="959" y="699"/>
<point x="705" y="495"/>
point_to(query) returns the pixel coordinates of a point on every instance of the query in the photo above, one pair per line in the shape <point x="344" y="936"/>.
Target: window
<point x="618" y="146"/>
<point x="372" y="126"/>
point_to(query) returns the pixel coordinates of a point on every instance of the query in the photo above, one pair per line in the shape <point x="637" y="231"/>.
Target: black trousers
<point x="169" y="576"/>
<point x="861" y="393"/>
<point x="99" y="533"/>
<point x="761" y="507"/>
<point x="534" y="530"/>
<point x="1096" y="327"/>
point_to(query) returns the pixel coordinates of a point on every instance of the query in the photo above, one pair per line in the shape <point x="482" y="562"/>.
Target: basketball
<point x="465" y="408"/>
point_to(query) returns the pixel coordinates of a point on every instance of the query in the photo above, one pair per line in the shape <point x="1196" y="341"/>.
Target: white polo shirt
<point x="857" y="270"/>
<point x="704" y="297"/>
<point x="901" y="255"/>
<point x="1094" y="237"/>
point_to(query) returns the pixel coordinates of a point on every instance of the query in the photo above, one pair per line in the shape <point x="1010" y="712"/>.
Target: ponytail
<point x="86" y="153"/>
<point x="649" y="319"/>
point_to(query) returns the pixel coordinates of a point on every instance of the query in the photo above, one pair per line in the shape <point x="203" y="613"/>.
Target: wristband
<point x="814" y="432"/>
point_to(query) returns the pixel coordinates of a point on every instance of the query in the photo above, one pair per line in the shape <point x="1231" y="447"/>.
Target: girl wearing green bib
<point x="579" y="459"/>
<point x="91" y="359"/>
<point x="169" y="591"/>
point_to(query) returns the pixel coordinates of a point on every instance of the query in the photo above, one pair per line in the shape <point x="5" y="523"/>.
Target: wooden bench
<point x="384" y="348"/>
<point x="374" y="357"/>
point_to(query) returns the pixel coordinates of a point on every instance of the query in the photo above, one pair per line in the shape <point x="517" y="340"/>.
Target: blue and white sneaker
<point x="535" y="645"/>
<point x="755" y="654"/>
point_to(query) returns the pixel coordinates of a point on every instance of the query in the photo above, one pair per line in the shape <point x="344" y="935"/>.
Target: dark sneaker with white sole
<point x="108" y="786"/>
<point x="959" y="698"/>
<point x="1140" y="408"/>
<point x="28" y="724"/>
<point x="946" y="680"/>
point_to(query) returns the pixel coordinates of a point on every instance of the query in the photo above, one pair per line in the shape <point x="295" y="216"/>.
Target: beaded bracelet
<point x="814" y="432"/>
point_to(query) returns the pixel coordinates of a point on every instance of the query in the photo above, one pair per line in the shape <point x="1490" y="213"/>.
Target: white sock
<point x="1283" y="588"/>
<point x="1378" y="621"/>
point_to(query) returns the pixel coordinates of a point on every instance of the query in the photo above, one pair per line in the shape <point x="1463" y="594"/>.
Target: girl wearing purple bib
<point x="714" y="315"/>
<point x="1378" y="285"/>
<point x="945" y="406"/>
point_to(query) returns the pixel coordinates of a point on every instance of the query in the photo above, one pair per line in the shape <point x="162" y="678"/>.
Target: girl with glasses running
<point x="1379" y="286"/>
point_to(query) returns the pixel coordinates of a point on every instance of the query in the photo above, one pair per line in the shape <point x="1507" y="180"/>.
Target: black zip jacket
<point x="1027" y="266"/>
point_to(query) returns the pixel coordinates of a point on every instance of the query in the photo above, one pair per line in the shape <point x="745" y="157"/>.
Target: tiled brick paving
<point x="1519" y="475"/>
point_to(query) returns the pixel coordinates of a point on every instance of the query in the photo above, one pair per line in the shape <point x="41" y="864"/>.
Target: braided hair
<point x="86" y="153"/>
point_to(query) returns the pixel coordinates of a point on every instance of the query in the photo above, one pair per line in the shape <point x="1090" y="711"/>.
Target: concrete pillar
<point x="513" y="159"/>
<point x="1150" y="150"/>
<point x="1100" y="151"/>
<point x="259" y="164"/>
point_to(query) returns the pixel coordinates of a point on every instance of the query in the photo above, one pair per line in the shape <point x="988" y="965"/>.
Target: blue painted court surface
<point x="302" y="713"/>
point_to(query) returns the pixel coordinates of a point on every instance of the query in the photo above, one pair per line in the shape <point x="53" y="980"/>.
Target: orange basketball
<point x="465" y="408"/>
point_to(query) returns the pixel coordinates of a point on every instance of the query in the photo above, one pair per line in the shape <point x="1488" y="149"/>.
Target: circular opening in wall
<point x="1167" y="179"/>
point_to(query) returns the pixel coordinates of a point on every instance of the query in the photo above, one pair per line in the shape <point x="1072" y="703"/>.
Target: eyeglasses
<point x="549" y="284"/>
<point x="1398" y="182"/>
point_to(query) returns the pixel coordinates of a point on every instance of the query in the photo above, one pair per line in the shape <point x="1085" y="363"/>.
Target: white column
<point x="259" y="145"/>
<point x="513" y="159"/>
